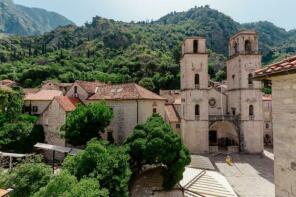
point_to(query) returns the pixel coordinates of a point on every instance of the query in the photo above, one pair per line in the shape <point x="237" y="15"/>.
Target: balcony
<point x="223" y="117"/>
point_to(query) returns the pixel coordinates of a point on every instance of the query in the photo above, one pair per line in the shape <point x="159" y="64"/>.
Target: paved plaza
<point x="250" y="175"/>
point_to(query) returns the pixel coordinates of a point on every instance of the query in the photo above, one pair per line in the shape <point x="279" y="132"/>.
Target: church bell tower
<point x="245" y="96"/>
<point x="194" y="95"/>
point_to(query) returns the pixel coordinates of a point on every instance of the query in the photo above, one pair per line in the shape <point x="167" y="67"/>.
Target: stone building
<point x="131" y="105"/>
<point x="283" y="76"/>
<point x="52" y="85"/>
<point x="172" y="108"/>
<point x="54" y="117"/>
<point x="83" y="89"/>
<point x="35" y="103"/>
<point x="221" y="116"/>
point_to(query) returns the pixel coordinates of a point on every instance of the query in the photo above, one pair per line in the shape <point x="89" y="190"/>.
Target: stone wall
<point x="42" y="105"/>
<point x="284" y="118"/>
<point x="217" y="109"/>
<point x="52" y="119"/>
<point x="195" y="135"/>
<point x="128" y="113"/>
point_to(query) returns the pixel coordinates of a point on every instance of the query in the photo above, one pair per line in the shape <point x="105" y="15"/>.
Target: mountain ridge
<point x="22" y="20"/>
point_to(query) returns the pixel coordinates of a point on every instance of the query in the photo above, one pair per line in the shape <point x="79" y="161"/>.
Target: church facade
<point x="221" y="116"/>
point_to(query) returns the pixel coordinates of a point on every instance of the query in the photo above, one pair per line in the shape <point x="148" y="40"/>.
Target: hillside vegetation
<point x="144" y="52"/>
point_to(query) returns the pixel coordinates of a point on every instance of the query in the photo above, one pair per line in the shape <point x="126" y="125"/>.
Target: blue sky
<point x="282" y="13"/>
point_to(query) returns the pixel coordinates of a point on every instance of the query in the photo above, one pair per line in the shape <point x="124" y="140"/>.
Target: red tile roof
<point x="90" y="87"/>
<point x="283" y="67"/>
<point x="67" y="103"/>
<point x="171" y="113"/>
<point x="7" y="82"/>
<point x="43" y="95"/>
<point x="130" y="91"/>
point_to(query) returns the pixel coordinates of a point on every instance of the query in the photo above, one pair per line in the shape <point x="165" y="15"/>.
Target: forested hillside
<point x="144" y="52"/>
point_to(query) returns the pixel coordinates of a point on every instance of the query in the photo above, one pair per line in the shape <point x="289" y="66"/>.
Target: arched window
<point x="251" y="110"/>
<point x="250" y="80"/>
<point x="197" y="110"/>
<point x="248" y="46"/>
<point x="195" y="46"/>
<point x="196" y="80"/>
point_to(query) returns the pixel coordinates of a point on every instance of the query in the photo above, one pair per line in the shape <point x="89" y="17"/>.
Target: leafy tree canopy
<point x="26" y="178"/>
<point x="106" y="163"/>
<point x="66" y="185"/>
<point x="87" y="122"/>
<point x="155" y="143"/>
<point x="17" y="130"/>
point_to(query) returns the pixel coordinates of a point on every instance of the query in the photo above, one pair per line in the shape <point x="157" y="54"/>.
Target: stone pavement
<point x="250" y="175"/>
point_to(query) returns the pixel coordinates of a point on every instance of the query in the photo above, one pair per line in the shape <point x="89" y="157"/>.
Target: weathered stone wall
<point x="42" y="105"/>
<point x="195" y="135"/>
<point x="284" y="118"/>
<point x="52" y="119"/>
<point x="128" y="113"/>
<point x="192" y="64"/>
<point x="220" y="107"/>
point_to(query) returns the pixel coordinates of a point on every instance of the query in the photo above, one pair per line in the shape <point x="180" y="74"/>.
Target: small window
<point x="197" y="110"/>
<point x="75" y="89"/>
<point x="233" y="111"/>
<point x="266" y="125"/>
<point x="178" y="126"/>
<point x="250" y="79"/>
<point x="248" y="46"/>
<point x="35" y="108"/>
<point x="196" y="80"/>
<point x="195" y="46"/>
<point x="110" y="137"/>
<point x="251" y="110"/>
<point x="154" y="110"/>
<point x="233" y="77"/>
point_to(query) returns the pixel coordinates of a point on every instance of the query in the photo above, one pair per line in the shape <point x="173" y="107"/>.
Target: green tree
<point x="17" y="130"/>
<point x="87" y="122"/>
<point x="66" y="185"/>
<point x="27" y="178"/>
<point x="88" y="187"/>
<point x="147" y="83"/>
<point x="155" y="143"/>
<point x="11" y="104"/>
<point x="106" y="163"/>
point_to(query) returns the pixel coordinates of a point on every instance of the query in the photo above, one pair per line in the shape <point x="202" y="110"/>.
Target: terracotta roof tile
<point x="285" y="65"/>
<point x="43" y="95"/>
<point x="90" y="87"/>
<point x="67" y="103"/>
<point x="7" y="82"/>
<point x="171" y="113"/>
<point x="31" y="90"/>
<point x="130" y="91"/>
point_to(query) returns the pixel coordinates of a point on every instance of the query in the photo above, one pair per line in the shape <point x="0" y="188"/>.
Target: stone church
<point x="220" y="116"/>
